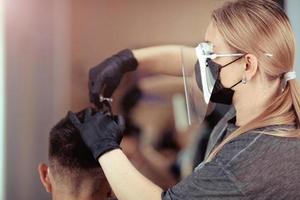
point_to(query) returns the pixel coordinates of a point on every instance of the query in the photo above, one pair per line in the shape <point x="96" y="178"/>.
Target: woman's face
<point x="232" y="73"/>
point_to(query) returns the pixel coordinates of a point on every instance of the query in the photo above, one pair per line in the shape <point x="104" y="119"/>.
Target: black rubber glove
<point x="106" y="76"/>
<point x="101" y="132"/>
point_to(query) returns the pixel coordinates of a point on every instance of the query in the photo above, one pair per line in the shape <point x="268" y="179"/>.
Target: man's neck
<point x="63" y="196"/>
<point x="82" y="191"/>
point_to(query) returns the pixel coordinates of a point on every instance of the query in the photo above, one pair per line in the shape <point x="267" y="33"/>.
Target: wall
<point x="292" y="9"/>
<point x="37" y="87"/>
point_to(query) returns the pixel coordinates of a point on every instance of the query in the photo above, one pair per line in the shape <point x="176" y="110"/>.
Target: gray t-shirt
<point x="251" y="166"/>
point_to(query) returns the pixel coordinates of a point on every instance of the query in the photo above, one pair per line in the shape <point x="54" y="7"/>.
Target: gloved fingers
<point x="74" y="120"/>
<point x="111" y="84"/>
<point x="100" y="116"/>
<point x="108" y="91"/>
<point x="91" y="85"/>
<point x="94" y="98"/>
<point x="95" y="87"/>
<point x="106" y="107"/>
<point x="120" y="121"/>
<point x="87" y="114"/>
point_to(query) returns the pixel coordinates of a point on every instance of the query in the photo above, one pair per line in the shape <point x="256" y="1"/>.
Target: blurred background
<point x="46" y="50"/>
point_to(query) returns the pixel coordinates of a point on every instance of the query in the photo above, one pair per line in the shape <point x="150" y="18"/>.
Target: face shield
<point x="199" y="76"/>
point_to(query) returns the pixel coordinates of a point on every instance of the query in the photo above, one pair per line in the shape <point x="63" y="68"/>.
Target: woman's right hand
<point x="105" y="77"/>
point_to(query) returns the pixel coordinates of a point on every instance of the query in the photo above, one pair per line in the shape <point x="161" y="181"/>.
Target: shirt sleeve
<point x="210" y="181"/>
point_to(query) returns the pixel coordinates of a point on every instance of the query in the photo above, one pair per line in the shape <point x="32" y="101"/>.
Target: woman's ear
<point x="44" y="176"/>
<point x="251" y="66"/>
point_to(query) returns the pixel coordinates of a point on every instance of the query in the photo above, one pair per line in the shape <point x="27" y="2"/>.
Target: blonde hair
<point x="259" y="27"/>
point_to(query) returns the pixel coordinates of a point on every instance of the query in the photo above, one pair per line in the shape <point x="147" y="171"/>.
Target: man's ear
<point x="44" y="176"/>
<point x="251" y="66"/>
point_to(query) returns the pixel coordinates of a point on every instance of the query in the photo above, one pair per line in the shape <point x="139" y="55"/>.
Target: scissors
<point x="105" y="105"/>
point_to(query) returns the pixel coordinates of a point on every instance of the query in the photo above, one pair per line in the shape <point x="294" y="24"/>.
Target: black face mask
<point x="220" y="94"/>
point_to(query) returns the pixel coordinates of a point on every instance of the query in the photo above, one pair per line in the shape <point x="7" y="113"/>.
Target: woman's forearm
<point x="160" y="59"/>
<point x="126" y="181"/>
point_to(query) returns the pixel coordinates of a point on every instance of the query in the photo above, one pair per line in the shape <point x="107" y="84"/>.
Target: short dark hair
<point x="67" y="149"/>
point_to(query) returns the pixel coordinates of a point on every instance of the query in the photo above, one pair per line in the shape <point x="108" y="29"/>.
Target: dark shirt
<point x="252" y="166"/>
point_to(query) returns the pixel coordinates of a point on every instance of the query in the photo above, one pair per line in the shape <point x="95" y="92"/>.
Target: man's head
<point x="72" y="169"/>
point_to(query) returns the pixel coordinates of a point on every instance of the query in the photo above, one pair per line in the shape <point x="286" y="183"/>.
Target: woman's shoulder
<point x="258" y="143"/>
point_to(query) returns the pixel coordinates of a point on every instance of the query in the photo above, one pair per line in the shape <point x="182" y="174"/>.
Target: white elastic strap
<point x="286" y="77"/>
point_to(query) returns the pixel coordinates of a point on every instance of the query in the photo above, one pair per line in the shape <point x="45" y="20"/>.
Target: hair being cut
<point x="67" y="151"/>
